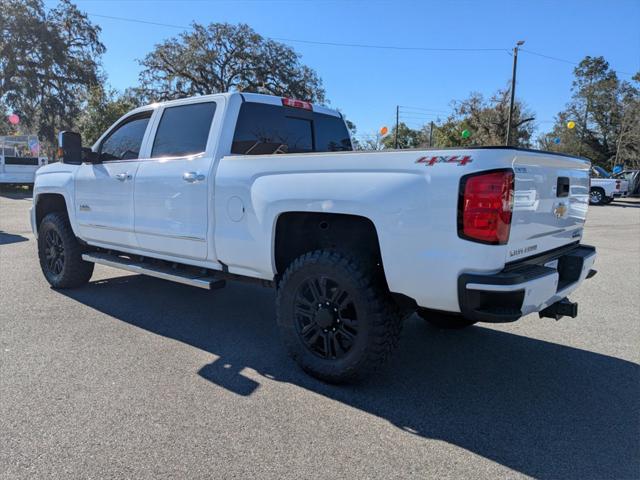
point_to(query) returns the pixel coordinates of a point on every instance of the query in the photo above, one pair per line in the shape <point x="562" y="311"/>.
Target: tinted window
<point x="266" y="129"/>
<point x="183" y="130"/>
<point x="331" y="134"/>
<point x="600" y="172"/>
<point x="125" y="141"/>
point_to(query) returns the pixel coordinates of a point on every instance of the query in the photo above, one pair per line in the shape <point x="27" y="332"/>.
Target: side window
<point x="183" y="130"/>
<point x="125" y="141"/>
<point x="264" y="129"/>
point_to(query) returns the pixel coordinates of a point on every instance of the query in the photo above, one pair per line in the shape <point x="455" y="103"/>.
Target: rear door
<point x="104" y="191"/>
<point x="550" y="203"/>
<point x="173" y="192"/>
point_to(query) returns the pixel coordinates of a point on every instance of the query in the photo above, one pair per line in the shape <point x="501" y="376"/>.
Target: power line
<point x="314" y="42"/>
<point x="133" y="20"/>
<point x="358" y="45"/>
<point x="423" y="115"/>
<point x="404" y="107"/>
<point x="563" y="60"/>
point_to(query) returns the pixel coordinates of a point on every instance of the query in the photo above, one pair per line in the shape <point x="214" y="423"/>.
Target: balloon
<point x="384" y="131"/>
<point x="571" y="124"/>
<point x="465" y="134"/>
<point x="14" y="119"/>
<point x="556" y="140"/>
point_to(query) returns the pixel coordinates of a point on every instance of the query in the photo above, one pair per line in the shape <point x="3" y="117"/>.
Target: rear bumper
<point x="526" y="287"/>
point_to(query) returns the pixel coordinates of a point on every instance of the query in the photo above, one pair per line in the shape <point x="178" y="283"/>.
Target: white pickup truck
<point x="247" y="186"/>
<point x="604" y="188"/>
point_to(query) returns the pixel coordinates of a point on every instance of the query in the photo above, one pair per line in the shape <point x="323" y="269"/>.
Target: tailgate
<point x="550" y="203"/>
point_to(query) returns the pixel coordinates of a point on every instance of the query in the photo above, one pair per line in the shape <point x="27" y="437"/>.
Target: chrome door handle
<point x="192" y="177"/>
<point x="123" y="176"/>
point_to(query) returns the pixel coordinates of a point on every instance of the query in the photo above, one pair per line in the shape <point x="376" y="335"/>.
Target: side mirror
<point x="90" y="156"/>
<point x="70" y="147"/>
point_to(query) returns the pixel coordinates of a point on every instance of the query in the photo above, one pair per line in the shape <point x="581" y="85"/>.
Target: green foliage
<point x="407" y="137"/>
<point x="607" y="116"/>
<point x="222" y="57"/>
<point x="103" y="108"/>
<point x="48" y="59"/>
<point x="486" y="122"/>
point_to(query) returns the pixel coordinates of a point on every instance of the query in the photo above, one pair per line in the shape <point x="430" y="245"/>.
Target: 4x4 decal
<point x="459" y="159"/>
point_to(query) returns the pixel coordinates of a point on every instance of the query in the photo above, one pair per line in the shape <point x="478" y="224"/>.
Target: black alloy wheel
<point x="54" y="253"/>
<point x="326" y="317"/>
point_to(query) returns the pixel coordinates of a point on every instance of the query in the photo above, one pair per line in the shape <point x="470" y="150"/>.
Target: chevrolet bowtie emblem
<point x="560" y="210"/>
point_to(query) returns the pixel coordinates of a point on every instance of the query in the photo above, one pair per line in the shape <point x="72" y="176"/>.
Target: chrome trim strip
<point x="166" y="235"/>
<point x="105" y="227"/>
<point x="552" y="232"/>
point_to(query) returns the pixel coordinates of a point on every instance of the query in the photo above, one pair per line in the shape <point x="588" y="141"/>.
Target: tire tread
<point x="76" y="271"/>
<point x="383" y="312"/>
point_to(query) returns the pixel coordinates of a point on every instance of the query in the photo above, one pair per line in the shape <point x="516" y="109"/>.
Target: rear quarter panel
<point x="412" y="205"/>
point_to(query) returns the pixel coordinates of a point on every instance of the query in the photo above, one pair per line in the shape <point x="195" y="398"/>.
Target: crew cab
<point x="605" y="189"/>
<point x="247" y="186"/>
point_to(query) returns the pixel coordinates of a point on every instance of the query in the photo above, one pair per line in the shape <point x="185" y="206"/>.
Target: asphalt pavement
<point x="135" y="377"/>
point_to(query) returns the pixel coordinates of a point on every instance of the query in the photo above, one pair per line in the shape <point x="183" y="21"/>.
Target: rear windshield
<point x="266" y="129"/>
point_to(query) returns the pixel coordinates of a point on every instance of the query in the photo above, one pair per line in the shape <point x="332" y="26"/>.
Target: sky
<point x="367" y="84"/>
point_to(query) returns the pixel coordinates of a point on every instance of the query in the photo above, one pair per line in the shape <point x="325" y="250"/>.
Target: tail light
<point x="485" y="206"/>
<point x="290" y="102"/>
<point x="617" y="184"/>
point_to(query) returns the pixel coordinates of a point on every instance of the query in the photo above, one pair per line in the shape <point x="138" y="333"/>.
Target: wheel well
<point x="47" y="203"/>
<point x="300" y="232"/>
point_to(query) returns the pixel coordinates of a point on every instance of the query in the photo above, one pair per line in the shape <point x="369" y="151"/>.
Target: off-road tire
<point x="379" y="320"/>
<point x="445" y="321"/>
<point x="72" y="271"/>
<point x="597" y="196"/>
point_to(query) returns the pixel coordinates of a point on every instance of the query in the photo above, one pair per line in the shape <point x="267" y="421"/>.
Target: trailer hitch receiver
<point x="560" y="309"/>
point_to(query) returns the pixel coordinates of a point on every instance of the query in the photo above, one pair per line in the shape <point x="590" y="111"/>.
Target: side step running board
<point x="144" y="268"/>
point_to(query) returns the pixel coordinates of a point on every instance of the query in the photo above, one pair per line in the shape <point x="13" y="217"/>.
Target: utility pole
<point x="513" y="90"/>
<point x="397" y="124"/>
<point x="431" y="133"/>
<point x="586" y="117"/>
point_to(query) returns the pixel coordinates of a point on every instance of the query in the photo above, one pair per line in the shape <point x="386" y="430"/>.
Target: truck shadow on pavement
<point x="7" y="238"/>
<point x="540" y="408"/>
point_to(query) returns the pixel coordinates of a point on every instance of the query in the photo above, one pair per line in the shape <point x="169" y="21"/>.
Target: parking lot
<point x="136" y="377"/>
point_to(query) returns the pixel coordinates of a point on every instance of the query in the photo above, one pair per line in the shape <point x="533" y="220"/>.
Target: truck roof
<point x="246" y="97"/>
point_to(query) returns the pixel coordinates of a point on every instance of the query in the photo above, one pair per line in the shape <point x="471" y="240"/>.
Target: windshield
<point x="267" y="129"/>
<point x="601" y="172"/>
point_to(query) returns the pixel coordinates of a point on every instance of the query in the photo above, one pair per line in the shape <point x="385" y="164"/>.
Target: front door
<point x="104" y="191"/>
<point x="173" y="190"/>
